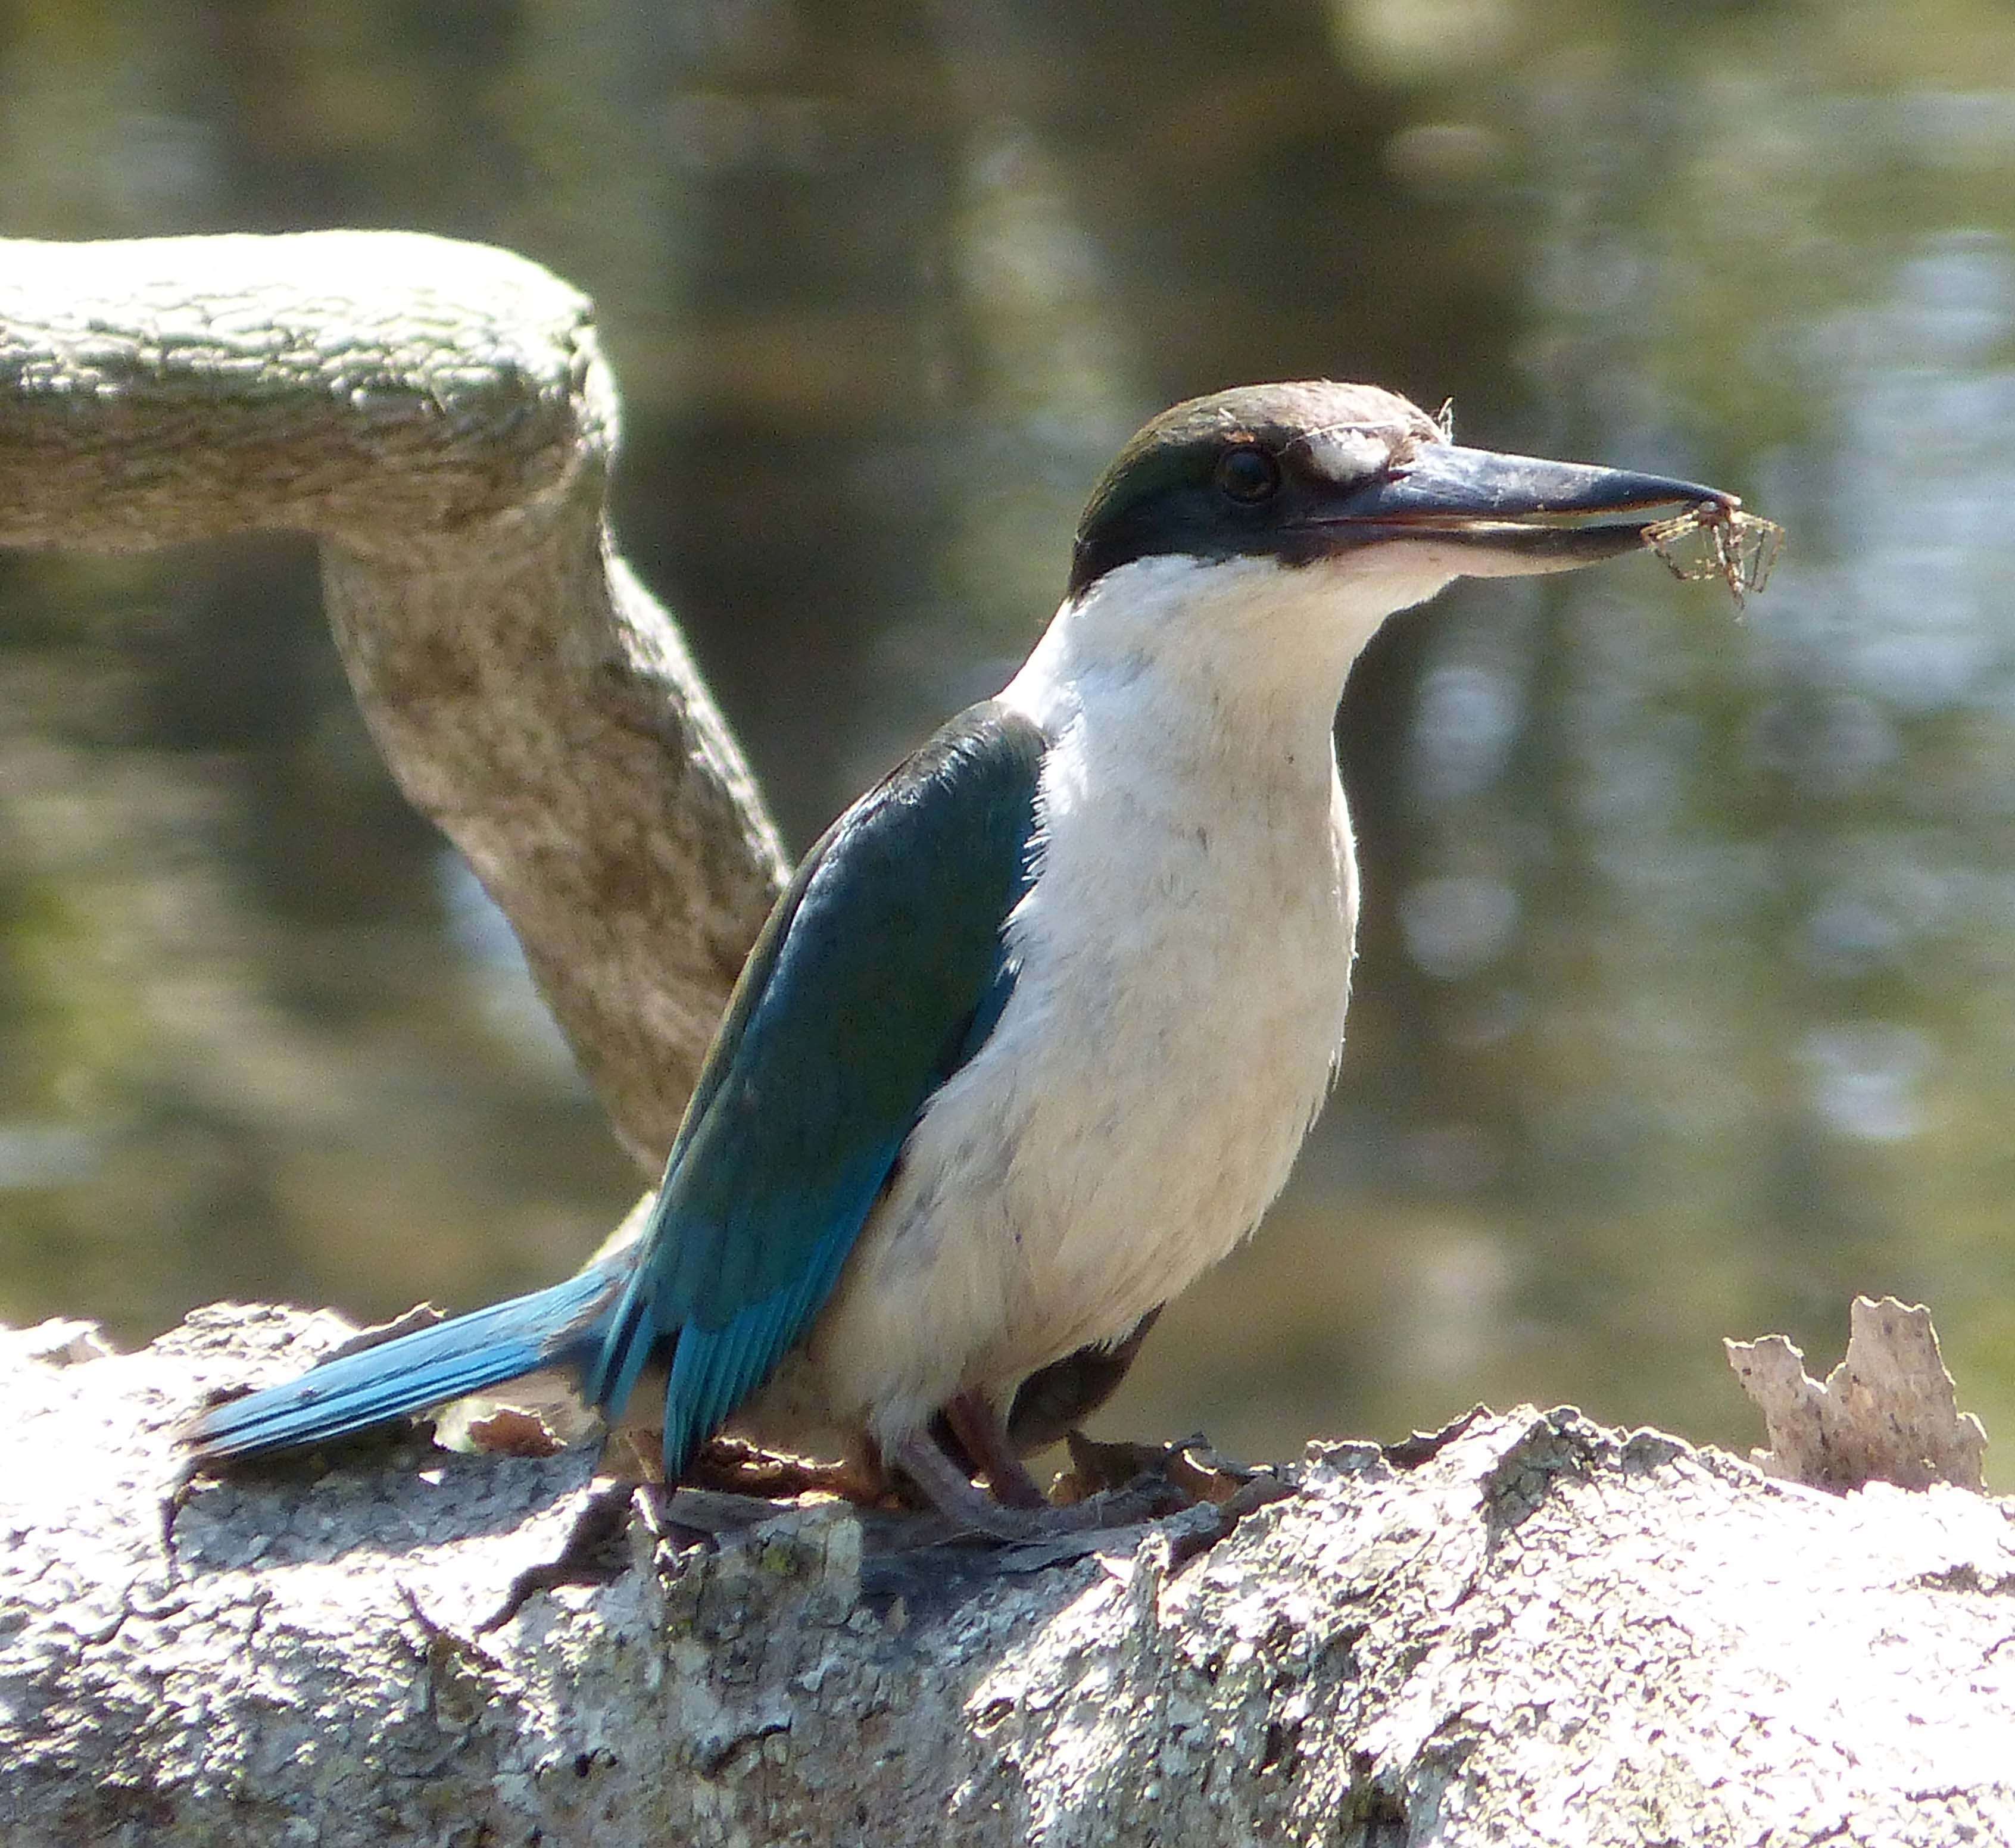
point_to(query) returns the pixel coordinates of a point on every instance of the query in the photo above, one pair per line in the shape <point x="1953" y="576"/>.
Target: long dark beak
<point x="1527" y="513"/>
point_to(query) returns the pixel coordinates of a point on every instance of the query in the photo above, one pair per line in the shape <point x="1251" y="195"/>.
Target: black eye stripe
<point x="1235" y="475"/>
<point x="1245" y="473"/>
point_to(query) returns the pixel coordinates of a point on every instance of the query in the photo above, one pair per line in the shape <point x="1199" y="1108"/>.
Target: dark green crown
<point x="1164" y="493"/>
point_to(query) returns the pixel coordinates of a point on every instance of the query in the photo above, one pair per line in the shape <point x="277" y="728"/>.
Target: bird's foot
<point x="594" y="1551"/>
<point x="1109" y="1486"/>
<point x="968" y="1508"/>
<point x="590" y="1555"/>
<point x="981" y="1435"/>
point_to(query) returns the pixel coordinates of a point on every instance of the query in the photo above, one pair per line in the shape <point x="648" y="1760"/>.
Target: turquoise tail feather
<point x="563" y="1326"/>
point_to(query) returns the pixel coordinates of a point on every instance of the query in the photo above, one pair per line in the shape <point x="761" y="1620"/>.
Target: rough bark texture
<point x="438" y="415"/>
<point x="1538" y="1631"/>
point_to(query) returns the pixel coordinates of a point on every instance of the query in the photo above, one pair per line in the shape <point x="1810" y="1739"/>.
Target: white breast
<point x="1184" y="964"/>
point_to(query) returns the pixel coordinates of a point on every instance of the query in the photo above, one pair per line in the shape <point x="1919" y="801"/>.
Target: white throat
<point x="1231" y="656"/>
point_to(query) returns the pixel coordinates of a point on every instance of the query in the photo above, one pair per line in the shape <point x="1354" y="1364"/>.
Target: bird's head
<point x="1275" y="522"/>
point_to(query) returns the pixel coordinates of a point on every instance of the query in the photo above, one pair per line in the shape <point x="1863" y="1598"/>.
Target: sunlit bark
<point x="1536" y="1631"/>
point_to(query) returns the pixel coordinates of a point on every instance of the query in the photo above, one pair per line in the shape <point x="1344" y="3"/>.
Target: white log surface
<point x="1541" y="1632"/>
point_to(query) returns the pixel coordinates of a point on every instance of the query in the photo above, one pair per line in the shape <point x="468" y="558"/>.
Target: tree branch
<point x="1536" y="1631"/>
<point x="438" y="415"/>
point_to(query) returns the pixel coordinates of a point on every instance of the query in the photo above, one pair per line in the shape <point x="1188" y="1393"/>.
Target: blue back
<point x="881" y="971"/>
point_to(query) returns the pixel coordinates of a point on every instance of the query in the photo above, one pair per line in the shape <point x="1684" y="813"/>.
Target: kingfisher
<point x="1032" y="1037"/>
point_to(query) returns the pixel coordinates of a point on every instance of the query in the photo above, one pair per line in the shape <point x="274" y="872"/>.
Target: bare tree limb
<point x="1536" y="1632"/>
<point x="438" y="415"/>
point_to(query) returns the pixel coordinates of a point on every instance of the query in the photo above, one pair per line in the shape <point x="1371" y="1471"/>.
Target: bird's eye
<point x="1248" y="475"/>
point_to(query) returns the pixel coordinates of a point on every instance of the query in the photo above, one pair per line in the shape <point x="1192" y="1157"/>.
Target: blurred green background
<point x="1687" y="999"/>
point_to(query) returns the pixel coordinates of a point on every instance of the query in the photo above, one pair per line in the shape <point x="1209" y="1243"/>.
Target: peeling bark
<point x="1889" y="1413"/>
<point x="439" y="417"/>
<point x="1535" y="1632"/>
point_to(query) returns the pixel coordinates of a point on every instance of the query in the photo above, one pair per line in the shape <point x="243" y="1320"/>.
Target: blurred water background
<point x="1685" y="1005"/>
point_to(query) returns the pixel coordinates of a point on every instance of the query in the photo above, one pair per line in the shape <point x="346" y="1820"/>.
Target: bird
<point x="1034" y="1034"/>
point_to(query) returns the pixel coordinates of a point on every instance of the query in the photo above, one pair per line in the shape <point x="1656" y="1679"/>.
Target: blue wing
<point x="881" y="971"/>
